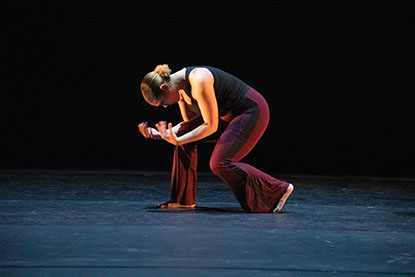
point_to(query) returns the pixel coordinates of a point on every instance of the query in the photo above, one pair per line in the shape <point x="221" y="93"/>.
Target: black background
<point x="337" y="76"/>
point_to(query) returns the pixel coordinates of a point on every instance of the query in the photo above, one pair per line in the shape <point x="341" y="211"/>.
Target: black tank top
<point x="229" y="90"/>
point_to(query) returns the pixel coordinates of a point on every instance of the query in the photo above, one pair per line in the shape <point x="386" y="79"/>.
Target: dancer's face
<point x="169" y="97"/>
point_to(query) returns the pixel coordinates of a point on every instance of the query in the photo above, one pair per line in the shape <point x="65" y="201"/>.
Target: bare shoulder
<point x="200" y="74"/>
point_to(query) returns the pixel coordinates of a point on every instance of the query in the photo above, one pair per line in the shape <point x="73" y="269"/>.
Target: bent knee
<point x="218" y="167"/>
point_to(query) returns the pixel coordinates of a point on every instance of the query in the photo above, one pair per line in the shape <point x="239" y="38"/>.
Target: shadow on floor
<point x="196" y="210"/>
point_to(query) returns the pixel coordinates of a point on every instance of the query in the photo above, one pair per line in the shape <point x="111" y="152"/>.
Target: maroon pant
<point x="239" y="131"/>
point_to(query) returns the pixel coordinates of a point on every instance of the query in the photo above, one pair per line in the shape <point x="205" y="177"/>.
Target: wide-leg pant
<point x="255" y="190"/>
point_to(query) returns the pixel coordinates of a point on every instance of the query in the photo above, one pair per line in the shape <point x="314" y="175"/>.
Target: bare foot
<point x="171" y="205"/>
<point x="283" y="199"/>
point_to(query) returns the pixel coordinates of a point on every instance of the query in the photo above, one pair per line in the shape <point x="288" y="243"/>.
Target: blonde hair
<point x="150" y="85"/>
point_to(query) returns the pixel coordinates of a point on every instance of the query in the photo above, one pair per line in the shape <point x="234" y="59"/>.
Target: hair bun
<point x="163" y="70"/>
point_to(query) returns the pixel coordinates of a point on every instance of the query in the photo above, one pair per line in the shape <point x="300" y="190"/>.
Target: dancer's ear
<point x="164" y="87"/>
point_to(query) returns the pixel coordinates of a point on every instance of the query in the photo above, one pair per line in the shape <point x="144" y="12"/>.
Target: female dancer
<point x="213" y="104"/>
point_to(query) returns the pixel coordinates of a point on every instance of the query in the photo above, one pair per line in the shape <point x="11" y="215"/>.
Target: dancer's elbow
<point x="211" y="127"/>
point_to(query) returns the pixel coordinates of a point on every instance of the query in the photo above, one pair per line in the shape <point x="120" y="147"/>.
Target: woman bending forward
<point x="214" y="105"/>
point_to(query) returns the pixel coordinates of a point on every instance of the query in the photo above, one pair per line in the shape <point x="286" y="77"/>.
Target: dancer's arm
<point x="203" y="92"/>
<point x="188" y="111"/>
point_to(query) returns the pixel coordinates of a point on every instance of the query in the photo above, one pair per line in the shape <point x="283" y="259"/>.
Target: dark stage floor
<point x="79" y="223"/>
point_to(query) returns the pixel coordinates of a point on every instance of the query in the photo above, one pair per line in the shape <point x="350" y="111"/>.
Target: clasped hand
<point x="148" y="132"/>
<point x="163" y="131"/>
<point x="166" y="132"/>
